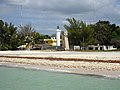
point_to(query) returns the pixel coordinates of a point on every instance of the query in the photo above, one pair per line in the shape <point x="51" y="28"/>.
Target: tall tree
<point x="26" y="30"/>
<point x="29" y="36"/>
<point x="87" y="35"/>
<point x="116" y="37"/>
<point x="103" y="32"/>
<point x="74" y="31"/>
<point x="1" y="33"/>
<point x="37" y="38"/>
<point x="8" y="36"/>
<point x="26" y="33"/>
<point x="79" y="33"/>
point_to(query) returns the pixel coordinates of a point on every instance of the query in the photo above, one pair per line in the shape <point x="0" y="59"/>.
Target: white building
<point x="100" y="47"/>
<point x="58" y="31"/>
<point x="65" y="42"/>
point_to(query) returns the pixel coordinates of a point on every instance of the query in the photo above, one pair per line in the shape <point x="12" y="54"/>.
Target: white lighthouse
<point x="58" y="31"/>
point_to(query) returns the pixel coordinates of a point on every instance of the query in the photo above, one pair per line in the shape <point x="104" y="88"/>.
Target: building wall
<point x="51" y="42"/>
<point x="100" y="47"/>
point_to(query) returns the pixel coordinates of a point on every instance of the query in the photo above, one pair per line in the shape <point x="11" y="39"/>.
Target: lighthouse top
<point x="57" y="27"/>
<point x="58" y="30"/>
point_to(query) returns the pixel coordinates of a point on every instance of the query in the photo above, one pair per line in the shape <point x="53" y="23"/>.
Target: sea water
<point x="28" y="79"/>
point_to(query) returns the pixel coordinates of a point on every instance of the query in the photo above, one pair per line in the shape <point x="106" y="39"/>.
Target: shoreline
<point x="82" y="63"/>
<point x="58" y="70"/>
<point x="70" y="67"/>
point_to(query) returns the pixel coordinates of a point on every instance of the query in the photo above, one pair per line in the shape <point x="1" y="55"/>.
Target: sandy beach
<point x="90" y="63"/>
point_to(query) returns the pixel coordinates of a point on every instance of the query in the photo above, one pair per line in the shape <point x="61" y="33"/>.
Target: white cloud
<point x="15" y="2"/>
<point x="49" y="13"/>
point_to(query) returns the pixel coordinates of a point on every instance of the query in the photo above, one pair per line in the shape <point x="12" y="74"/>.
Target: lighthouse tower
<point x="58" y="31"/>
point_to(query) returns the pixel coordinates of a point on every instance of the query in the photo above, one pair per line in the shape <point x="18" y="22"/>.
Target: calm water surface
<point x="26" y="79"/>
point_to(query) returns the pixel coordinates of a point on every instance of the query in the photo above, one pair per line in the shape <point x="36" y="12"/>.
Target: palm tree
<point x="8" y="36"/>
<point x="26" y="34"/>
<point x="74" y="31"/>
<point x="79" y="33"/>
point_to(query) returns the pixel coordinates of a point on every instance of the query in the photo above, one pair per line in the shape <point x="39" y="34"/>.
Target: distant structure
<point x="100" y="47"/>
<point x="50" y="42"/>
<point x="65" y="42"/>
<point x="53" y="43"/>
<point x="58" y="31"/>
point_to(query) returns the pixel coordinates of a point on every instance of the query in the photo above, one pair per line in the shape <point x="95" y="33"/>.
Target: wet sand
<point x="86" y="63"/>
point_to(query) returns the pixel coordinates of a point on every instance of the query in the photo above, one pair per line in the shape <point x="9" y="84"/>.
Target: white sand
<point x="66" y="54"/>
<point x="81" y="67"/>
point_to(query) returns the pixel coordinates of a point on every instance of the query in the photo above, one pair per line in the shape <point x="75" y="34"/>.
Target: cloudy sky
<point x="46" y="15"/>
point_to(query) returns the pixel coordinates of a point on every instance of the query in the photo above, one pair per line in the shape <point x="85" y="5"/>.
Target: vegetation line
<point x="79" y="34"/>
<point x="65" y="59"/>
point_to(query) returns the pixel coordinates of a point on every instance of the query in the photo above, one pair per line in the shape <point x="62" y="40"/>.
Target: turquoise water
<point x="27" y="79"/>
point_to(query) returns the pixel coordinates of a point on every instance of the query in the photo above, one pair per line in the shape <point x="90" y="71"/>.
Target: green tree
<point x="79" y="33"/>
<point x="29" y="36"/>
<point x="116" y="37"/>
<point x="107" y="34"/>
<point x="26" y="33"/>
<point x="103" y="32"/>
<point x="37" y="37"/>
<point x="8" y="36"/>
<point x="87" y="34"/>
<point x="2" y="34"/>
<point x="74" y="31"/>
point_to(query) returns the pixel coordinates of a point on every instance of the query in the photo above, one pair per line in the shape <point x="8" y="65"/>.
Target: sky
<point x="46" y="15"/>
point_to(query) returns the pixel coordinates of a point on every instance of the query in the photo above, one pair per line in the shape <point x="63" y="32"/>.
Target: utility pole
<point x="94" y="12"/>
<point x="21" y="14"/>
<point x="83" y="38"/>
